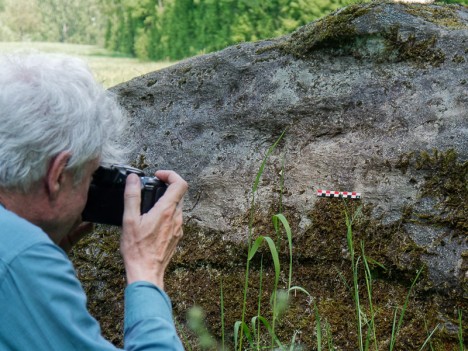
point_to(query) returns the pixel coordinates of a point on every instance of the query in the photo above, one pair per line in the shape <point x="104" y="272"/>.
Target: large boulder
<point x="372" y="98"/>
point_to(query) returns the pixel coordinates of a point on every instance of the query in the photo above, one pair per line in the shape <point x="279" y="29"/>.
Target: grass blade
<point x="293" y="342"/>
<point x="393" y="337"/>
<point x="236" y="333"/>
<point x="368" y="277"/>
<point x="281" y="185"/>
<point x="253" y="250"/>
<point x="357" y="302"/>
<point x="259" y="304"/>
<point x="256" y="323"/>
<point x="427" y="332"/>
<point x="403" y="310"/>
<point x="274" y="254"/>
<point x="329" y="337"/>
<point x="343" y="279"/>
<point x="318" y="328"/>
<point x="354" y="268"/>
<point x="244" y="331"/>
<point x="299" y="288"/>
<point x="396" y="329"/>
<point x="429" y="338"/>
<point x="275" y="257"/>
<point x="184" y="335"/>
<point x="223" y="344"/>
<point x="280" y="217"/>
<point x="262" y="166"/>
<point x="460" y="330"/>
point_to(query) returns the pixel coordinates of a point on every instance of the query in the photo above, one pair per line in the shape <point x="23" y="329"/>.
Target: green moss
<point x="446" y="180"/>
<point x="418" y="51"/>
<point x="325" y="240"/>
<point x="404" y="162"/>
<point x="182" y="81"/>
<point x="458" y="59"/>
<point x="333" y="31"/>
<point x="445" y="15"/>
<point x="198" y="244"/>
<point x="140" y="162"/>
<point x="338" y="33"/>
<point x="185" y="69"/>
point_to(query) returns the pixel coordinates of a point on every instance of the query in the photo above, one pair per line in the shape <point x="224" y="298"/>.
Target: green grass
<point x="252" y="249"/>
<point x="362" y="320"/>
<point x="460" y="330"/>
<point x="109" y="68"/>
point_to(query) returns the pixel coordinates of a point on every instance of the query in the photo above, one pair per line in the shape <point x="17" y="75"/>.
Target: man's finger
<point x="177" y="186"/>
<point x="132" y="197"/>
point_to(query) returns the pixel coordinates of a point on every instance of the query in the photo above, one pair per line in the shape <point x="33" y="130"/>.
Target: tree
<point x="72" y="21"/>
<point x="21" y="17"/>
<point x="178" y="26"/>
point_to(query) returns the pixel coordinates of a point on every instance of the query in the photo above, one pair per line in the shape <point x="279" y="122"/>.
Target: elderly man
<point x="57" y="125"/>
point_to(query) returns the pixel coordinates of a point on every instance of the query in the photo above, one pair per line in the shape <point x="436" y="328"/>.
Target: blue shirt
<point x="43" y="305"/>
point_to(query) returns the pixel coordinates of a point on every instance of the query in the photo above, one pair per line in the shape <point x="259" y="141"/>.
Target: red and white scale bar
<point x="340" y="194"/>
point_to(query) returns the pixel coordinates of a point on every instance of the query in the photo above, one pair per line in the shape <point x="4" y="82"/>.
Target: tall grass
<point x="361" y="318"/>
<point x="396" y="330"/>
<point x="354" y="268"/>
<point x="252" y="248"/>
<point x="368" y="276"/>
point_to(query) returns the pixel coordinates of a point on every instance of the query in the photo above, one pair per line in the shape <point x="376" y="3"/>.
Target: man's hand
<point x="148" y="241"/>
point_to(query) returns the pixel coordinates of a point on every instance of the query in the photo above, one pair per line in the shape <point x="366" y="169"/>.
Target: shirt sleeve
<point x="148" y="319"/>
<point x="44" y="308"/>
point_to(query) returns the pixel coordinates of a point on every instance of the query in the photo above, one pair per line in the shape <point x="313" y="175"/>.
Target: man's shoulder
<point x="17" y="235"/>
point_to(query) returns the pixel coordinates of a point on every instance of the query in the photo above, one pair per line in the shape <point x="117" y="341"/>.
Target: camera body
<point x="105" y="202"/>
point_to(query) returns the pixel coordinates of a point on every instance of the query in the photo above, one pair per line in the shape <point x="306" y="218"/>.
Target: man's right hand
<point x="149" y="240"/>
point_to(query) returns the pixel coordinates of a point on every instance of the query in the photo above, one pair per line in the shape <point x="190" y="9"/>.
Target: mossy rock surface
<point x="373" y="99"/>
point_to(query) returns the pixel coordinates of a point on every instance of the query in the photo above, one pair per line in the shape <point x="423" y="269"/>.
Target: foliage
<point x="176" y="29"/>
<point x="51" y="20"/>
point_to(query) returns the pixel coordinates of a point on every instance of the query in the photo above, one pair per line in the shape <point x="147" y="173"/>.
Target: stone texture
<point x="353" y="103"/>
<point x="365" y="95"/>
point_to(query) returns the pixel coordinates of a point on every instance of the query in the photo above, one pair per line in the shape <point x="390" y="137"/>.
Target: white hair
<point x="50" y="104"/>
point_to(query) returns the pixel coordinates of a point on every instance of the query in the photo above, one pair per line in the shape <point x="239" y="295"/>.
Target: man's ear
<point x="55" y="174"/>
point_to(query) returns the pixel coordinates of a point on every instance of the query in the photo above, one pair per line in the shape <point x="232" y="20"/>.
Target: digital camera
<point x="106" y="194"/>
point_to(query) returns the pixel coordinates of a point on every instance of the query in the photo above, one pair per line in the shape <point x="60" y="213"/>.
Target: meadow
<point x="108" y="67"/>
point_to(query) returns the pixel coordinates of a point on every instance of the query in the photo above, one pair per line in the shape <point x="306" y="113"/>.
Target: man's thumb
<point x="132" y="197"/>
